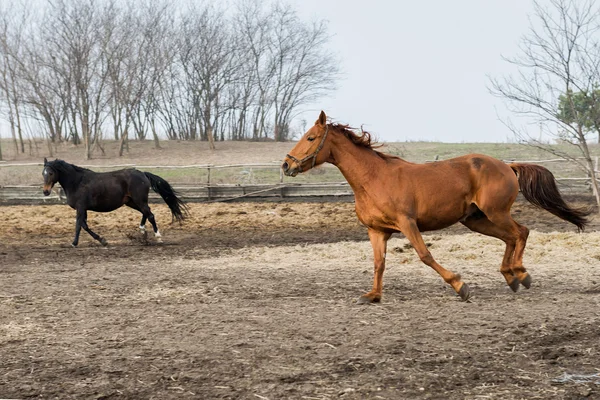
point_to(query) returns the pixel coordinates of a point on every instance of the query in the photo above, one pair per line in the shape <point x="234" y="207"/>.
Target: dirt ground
<point x="257" y="301"/>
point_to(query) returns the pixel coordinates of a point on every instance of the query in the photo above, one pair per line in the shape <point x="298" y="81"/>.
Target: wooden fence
<point x="208" y="191"/>
<point x="34" y="195"/>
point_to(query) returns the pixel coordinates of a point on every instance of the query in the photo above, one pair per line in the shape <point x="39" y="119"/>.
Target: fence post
<point x="281" y="173"/>
<point x="208" y="185"/>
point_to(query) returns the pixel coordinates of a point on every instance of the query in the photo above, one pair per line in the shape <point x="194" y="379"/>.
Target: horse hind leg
<point x="479" y="222"/>
<point x="133" y="205"/>
<point x="139" y="201"/>
<point x="143" y="224"/>
<point x="515" y="236"/>
<point x="520" y="272"/>
<point x="150" y="216"/>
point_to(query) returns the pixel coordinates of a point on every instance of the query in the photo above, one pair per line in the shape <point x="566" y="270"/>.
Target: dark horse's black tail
<point x="539" y="188"/>
<point x="169" y="195"/>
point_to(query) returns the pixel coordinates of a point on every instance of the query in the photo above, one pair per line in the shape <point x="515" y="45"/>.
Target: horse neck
<point x="69" y="179"/>
<point x="359" y="165"/>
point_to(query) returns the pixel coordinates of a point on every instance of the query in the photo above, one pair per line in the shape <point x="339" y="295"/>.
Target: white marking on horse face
<point x="45" y="172"/>
<point x="157" y="234"/>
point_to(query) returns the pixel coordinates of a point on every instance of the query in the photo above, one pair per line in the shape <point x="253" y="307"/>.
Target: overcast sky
<point x="417" y="70"/>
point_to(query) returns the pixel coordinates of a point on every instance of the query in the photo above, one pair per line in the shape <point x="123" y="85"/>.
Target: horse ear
<point x="45" y="161"/>
<point x="322" y="118"/>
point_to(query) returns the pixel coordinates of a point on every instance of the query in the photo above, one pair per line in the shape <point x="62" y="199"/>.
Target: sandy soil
<point x="257" y="300"/>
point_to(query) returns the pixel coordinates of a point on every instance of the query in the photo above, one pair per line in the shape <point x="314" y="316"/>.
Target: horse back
<point x="446" y="191"/>
<point x="107" y="191"/>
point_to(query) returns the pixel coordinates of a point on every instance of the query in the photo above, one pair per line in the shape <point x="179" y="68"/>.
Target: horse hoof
<point x="464" y="292"/>
<point x="367" y="300"/>
<point x="514" y="285"/>
<point x="73" y="245"/>
<point x="526" y="281"/>
<point x="103" y="242"/>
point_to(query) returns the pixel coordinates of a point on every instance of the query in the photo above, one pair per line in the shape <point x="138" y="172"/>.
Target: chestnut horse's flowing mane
<point x="362" y="139"/>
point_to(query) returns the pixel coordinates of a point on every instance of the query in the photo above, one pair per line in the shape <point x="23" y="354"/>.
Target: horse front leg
<point x="379" y="241"/>
<point x="411" y="231"/>
<point x="77" y="229"/>
<point x="82" y="221"/>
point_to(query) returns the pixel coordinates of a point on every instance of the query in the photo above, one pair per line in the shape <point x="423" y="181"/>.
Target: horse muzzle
<point x="47" y="190"/>
<point x="287" y="171"/>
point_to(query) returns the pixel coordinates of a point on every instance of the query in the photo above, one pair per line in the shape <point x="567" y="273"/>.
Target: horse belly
<point x="433" y="224"/>
<point x="441" y="216"/>
<point x="107" y="200"/>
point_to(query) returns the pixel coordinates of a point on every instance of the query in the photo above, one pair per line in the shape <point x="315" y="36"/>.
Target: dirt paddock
<point x="257" y="301"/>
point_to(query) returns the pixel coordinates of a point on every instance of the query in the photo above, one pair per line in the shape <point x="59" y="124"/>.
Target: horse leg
<point x="409" y="228"/>
<point x="143" y="223"/>
<point x="520" y="234"/>
<point x="84" y="225"/>
<point x="78" y="219"/>
<point x="379" y="243"/>
<point x="133" y="205"/>
<point x="148" y="214"/>
<point x="517" y="268"/>
<point x="483" y="225"/>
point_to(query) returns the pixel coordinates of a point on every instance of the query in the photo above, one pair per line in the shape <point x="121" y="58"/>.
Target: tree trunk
<point x="592" y="172"/>
<point x="209" y="127"/>
<point x="13" y="130"/>
<point x="50" y="150"/>
<point x="76" y="138"/>
<point x="123" y="141"/>
<point x="211" y="137"/>
<point x="86" y="132"/>
<point x="154" y="134"/>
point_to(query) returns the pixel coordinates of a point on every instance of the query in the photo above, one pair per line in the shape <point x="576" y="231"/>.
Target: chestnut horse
<point x="393" y="195"/>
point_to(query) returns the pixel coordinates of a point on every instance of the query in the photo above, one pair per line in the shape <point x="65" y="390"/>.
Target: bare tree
<point x="304" y="69"/>
<point x="82" y="33"/>
<point x="290" y="63"/>
<point x="254" y="29"/>
<point x="81" y="67"/>
<point x="559" y="62"/>
<point x="157" y="28"/>
<point x="11" y="37"/>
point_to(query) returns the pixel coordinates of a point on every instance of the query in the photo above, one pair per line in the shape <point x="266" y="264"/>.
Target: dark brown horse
<point x="393" y="195"/>
<point x="107" y="191"/>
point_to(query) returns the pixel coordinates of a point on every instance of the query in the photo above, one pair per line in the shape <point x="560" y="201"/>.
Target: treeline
<point x="89" y="70"/>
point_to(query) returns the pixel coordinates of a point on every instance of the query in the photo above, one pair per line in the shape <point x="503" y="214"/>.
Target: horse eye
<point x="310" y="139"/>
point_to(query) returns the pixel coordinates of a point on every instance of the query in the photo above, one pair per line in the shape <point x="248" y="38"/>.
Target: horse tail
<point x="178" y="207"/>
<point x="538" y="186"/>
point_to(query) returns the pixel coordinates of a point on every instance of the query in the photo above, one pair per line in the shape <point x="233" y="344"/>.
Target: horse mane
<point x="63" y="166"/>
<point x="362" y="139"/>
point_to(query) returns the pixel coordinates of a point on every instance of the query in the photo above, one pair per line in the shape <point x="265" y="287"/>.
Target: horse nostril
<point x="285" y="166"/>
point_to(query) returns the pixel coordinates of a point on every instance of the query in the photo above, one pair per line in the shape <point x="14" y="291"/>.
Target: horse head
<point x="312" y="149"/>
<point x="50" y="175"/>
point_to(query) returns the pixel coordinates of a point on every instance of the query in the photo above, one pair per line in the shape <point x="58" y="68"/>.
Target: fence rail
<point x="208" y="191"/>
<point x="33" y="194"/>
